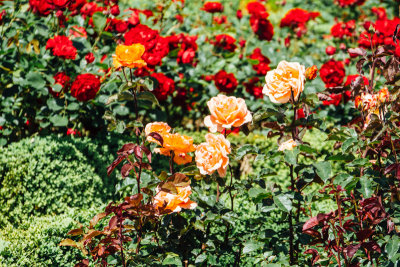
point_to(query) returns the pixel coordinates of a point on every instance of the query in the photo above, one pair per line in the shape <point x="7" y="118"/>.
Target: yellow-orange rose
<point x="129" y="56"/>
<point x="287" y="77"/>
<point x="161" y="128"/>
<point x="173" y="202"/>
<point x="212" y="155"/>
<point x="181" y="145"/>
<point x="226" y="112"/>
<point x="288" y="145"/>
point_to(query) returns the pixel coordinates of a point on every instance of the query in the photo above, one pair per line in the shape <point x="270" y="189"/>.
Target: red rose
<point x="75" y="6"/>
<point x="345" y="3"/>
<point x="380" y="12"/>
<point x="253" y="89"/>
<point x="258" y="21"/>
<point x="342" y="29"/>
<point x="257" y="9"/>
<point x="39" y="7"/>
<point x="59" y="4"/>
<point x="351" y="78"/>
<point x="74" y="132"/>
<point x="89" y="58"/>
<point x="89" y="9"/>
<point x="156" y="46"/>
<point x="220" y="20"/>
<point x="61" y="47"/>
<point x="225" y="41"/>
<point x="62" y="79"/>
<point x="297" y="18"/>
<point x="239" y="14"/>
<point x="335" y="100"/>
<point x="332" y="73"/>
<point x="85" y="87"/>
<point x="115" y="10"/>
<point x="300" y="114"/>
<point x="225" y="82"/>
<point x="330" y="50"/>
<point x="213" y="7"/>
<point x="179" y="18"/>
<point x="263" y="62"/>
<point x="165" y="87"/>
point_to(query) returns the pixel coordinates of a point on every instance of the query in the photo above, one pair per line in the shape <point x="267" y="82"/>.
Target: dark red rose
<point x="259" y="23"/>
<point x="345" y="3"/>
<point x="85" y="87"/>
<point x="179" y="18"/>
<point x="300" y="114"/>
<point x="61" y="47"/>
<point x="89" y="9"/>
<point x="351" y="78"/>
<point x="165" y="87"/>
<point x="296" y="19"/>
<point x="157" y="47"/>
<point x="343" y="29"/>
<point x="58" y="4"/>
<point x="257" y="9"/>
<point x="254" y="88"/>
<point x="239" y="14"/>
<point x="40" y="7"/>
<point x="118" y="26"/>
<point x="225" y="82"/>
<point x="335" y="100"/>
<point x="383" y="35"/>
<point x="330" y="50"/>
<point x="213" y="7"/>
<point x="75" y="6"/>
<point x="225" y="41"/>
<point x="263" y="62"/>
<point x="115" y="10"/>
<point x="220" y="19"/>
<point x="287" y="41"/>
<point x="380" y="12"/>
<point x="62" y="79"/>
<point x="74" y="132"/>
<point x="332" y="73"/>
<point x="89" y="57"/>
<point x="188" y="47"/>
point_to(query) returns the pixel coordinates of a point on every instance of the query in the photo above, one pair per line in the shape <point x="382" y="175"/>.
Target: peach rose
<point x="161" y="128"/>
<point x="181" y="145"/>
<point x="226" y="112"/>
<point x="129" y="56"/>
<point x="288" y="145"/>
<point x="287" y="77"/>
<point x="175" y="202"/>
<point x="212" y="155"/>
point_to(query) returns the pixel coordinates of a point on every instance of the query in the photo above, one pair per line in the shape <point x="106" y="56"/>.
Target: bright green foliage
<point x="47" y="175"/>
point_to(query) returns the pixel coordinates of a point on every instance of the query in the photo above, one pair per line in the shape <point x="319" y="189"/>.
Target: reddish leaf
<point x="115" y="163"/>
<point x="158" y="137"/>
<point x="134" y="200"/>
<point x="125" y="170"/>
<point x="96" y="219"/>
<point x="372" y="246"/>
<point x="68" y="242"/>
<point x="390" y="225"/>
<point x="83" y="263"/>
<point x="358" y="51"/>
<point x="127" y="149"/>
<point x="364" y="234"/>
<point x="352" y="249"/>
<point x="91" y="234"/>
<point x="179" y="179"/>
<point x="75" y="232"/>
<point x="113" y="222"/>
<point x="138" y="152"/>
<point x="147" y="152"/>
<point x="315" y="255"/>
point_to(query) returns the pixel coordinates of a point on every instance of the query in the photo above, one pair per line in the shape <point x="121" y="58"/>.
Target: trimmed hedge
<point x="47" y="175"/>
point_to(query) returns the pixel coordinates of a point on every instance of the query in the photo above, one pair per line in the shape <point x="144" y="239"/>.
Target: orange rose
<point x="288" y="145"/>
<point x="173" y="202"/>
<point x="212" y="155"/>
<point x="287" y="77"/>
<point x="129" y="56"/>
<point x="311" y="72"/>
<point x="161" y="128"/>
<point x="226" y="112"/>
<point x="181" y="145"/>
<point x="383" y="95"/>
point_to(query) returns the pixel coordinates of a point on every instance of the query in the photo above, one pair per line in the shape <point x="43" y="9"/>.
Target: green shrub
<point x="47" y="175"/>
<point x="35" y="241"/>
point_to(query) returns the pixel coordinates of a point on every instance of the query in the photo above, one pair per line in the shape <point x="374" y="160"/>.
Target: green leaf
<point x="307" y="149"/>
<point x="283" y="202"/>
<point x="59" y="121"/>
<point x="55" y="104"/>
<point x="244" y="150"/>
<point x="366" y="187"/>
<point x="291" y="156"/>
<point x="340" y="156"/>
<point x="392" y="248"/>
<point x="35" y="80"/>
<point x="251" y="246"/>
<point x="323" y="169"/>
<point x="348" y="143"/>
<point x="99" y="21"/>
<point x="125" y="96"/>
<point x="147" y="96"/>
<point x="172" y="259"/>
<point x="73" y="106"/>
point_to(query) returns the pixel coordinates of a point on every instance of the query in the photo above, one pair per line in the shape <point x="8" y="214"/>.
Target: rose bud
<point x="330" y="50"/>
<point x="115" y="10"/>
<point x="311" y="72"/>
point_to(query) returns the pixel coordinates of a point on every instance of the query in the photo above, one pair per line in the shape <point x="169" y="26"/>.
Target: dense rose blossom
<point x="351" y="78"/>
<point x="335" y="100"/>
<point x="345" y="3"/>
<point x="254" y="89"/>
<point x="116" y="25"/>
<point x="263" y="62"/>
<point x="88" y="9"/>
<point x="156" y="46"/>
<point x="297" y="18"/>
<point x="288" y="78"/>
<point x="114" y="10"/>
<point x="225" y="41"/>
<point x="180" y="145"/>
<point x="85" y="87"/>
<point x="75" y="6"/>
<point x="212" y="155"/>
<point x="89" y="58"/>
<point x="383" y="35"/>
<point x="259" y="23"/>
<point x="62" y="79"/>
<point x="165" y="87"/>
<point x="226" y="112"/>
<point x="213" y="7"/>
<point x="343" y="29"/>
<point x="300" y="114"/>
<point x="188" y="47"/>
<point x="40" y="7"/>
<point x="330" y="50"/>
<point x="174" y="202"/>
<point x="332" y="73"/>
<point x="61" y="47"/>
<point x="225" y="82"/>
<point x="380" y="12"/>
<point x="161" y="128"/>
